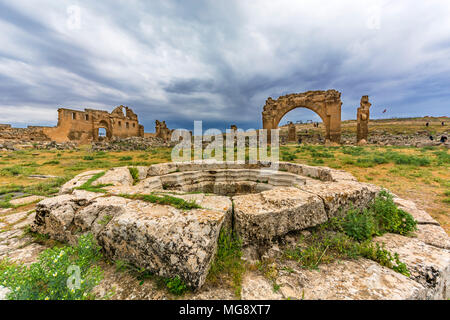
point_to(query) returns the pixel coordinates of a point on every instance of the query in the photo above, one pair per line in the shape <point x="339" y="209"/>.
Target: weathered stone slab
<point x="26" y="200"/>
<point x="420" y="216"/>
<point x="78" y="181"/>
<point x="212" y="202"/>
<point x="164" y="240"/>
<point x="360" y="279"/>
<point x="433" y="235"/>
<point x="161" y="169"/>
<point x="256" y="287"/>
<point x="146" y="186"/>
<point x="115" y="176"/>
<point x="429" y="265"/>
<point x="54" y="216"/>
<point x="264" y="216"/>
<point x="338" y="197"/>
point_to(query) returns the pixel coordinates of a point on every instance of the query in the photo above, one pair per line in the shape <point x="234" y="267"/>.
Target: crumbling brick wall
<point x="80" y="127"/>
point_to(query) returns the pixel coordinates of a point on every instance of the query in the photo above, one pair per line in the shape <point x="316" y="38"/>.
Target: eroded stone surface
<point x="115" y="176"/>
<point x="429" y="265"/>
<point x="78" y="181"/>
<point x="164" y="240"/>
<point x="420" y="216"/>
<point x="340" y="196"/>
<point x="26" y="200"/>
<point x="263" y="216"/>
<point x="160" y="238"/>
<point x="256" y="287"/>
<point x="433" y="235"/>
<point x="350" y="280"/>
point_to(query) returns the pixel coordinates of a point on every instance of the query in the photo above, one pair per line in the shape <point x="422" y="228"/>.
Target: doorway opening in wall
<point x="101" y="132"/>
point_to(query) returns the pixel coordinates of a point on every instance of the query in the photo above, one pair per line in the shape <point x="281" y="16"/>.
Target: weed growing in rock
<point x="87" y="186"/>
<point x="134" y="174"/>
<point x="350" y="237"/>
<point x="175" y="285"/>
<point x="325" y="246"/>
<point x="228" y="266"/>
<point x="381" y="217"/>
<point x="48" y="278"/>
<point x="164" y="200"/>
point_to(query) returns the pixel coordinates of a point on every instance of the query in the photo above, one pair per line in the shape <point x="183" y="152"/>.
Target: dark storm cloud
<point x="218" y="61"/>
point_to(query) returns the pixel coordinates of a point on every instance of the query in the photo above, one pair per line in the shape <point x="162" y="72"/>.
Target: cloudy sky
<point x="218" y="61"/>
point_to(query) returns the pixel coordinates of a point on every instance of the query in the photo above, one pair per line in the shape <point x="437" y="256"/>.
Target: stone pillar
<point x="363" y="115"/>
<point x="292" y="133"/>
<point x="333" y="122"/>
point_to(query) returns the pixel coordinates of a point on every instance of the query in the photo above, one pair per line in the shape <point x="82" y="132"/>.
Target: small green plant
<point x="350" y="236"/>
<point x="5" y="202"/>
<point x="287" y="156"/>
<point x="390" y="218"/>
<point x="353" y="151"/>
<point x="52" y="162"/>
<point x="48" y="278"/>
<point x="175" y="285"/>
<point x="46" y="188"/>
<point x="360" y="226"/>
<point x="134" y="174"/>
<point x="324" y="246"/>
<point x="88" y="158"/>
<point x="126" y="158"/>
<point x="325" y="154"/>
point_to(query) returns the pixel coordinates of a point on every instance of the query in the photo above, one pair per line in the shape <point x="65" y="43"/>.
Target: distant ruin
<point x="81" y="127"/>
<point x="363" y="115"/>
<point x="161" y="130"/>
<point x="292" y="132"/>
<point x="327" y="104"/>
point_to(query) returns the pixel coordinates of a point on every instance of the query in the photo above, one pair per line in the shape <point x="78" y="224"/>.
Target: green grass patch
<point x="17" y="170"/>
<point x="228" y="267"/>
<point x="134" y="174"/>
<point x="174" y="285"/>
<point x="87" y="186"/>
<point x="52" y="163"/>
<point x="126" y="158"/>
<point x="442" y="158"/>
<point x="164" y="200"/>
<point x="350" y="236"/>
<point x="48" y="278"/>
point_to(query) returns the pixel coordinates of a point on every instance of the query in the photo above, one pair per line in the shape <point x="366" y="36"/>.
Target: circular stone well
<point x="168" y="239"/>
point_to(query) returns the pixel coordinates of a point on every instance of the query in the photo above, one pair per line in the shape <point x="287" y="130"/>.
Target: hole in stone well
<point x="228" y="182"/>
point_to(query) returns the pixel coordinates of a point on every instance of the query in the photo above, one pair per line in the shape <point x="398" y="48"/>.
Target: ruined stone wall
<point x="31" y="133"/>
<point x="83" y="126"/>
<point x="161" y="131"/>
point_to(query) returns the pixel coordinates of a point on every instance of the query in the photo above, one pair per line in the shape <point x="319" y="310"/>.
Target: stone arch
<point x="105" y="125"/>
<point x="327" y="104"/>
